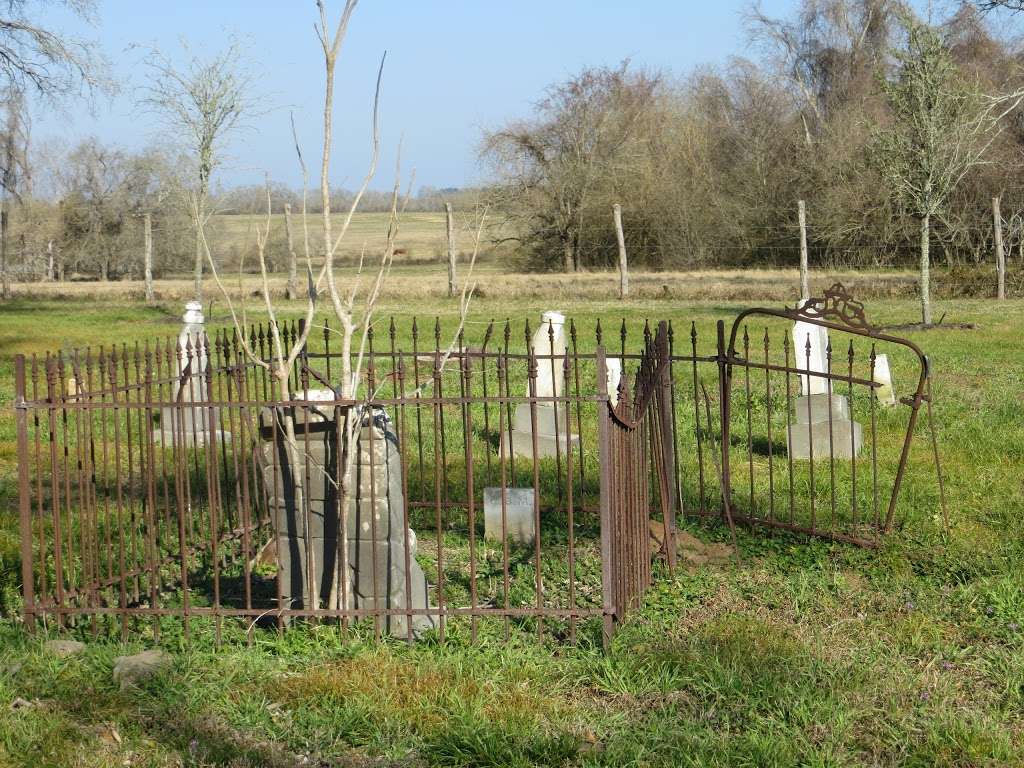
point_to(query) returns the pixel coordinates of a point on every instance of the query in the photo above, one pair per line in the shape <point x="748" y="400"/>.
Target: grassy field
<point x="802" y="653"/>
<point x="421" y="236"/>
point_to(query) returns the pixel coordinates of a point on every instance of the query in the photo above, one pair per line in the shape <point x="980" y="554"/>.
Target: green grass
<point x="804" y="653"/>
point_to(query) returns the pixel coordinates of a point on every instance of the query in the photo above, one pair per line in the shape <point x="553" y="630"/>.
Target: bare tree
<point x="550" y="166"/>
<point x="354" y="305"/>
<point x="991" y="5"/>
<point x="942" y="128"/>
<point x="206" y="100"/>
<point x="14" y="156"/>
<point x="47" y="62"/>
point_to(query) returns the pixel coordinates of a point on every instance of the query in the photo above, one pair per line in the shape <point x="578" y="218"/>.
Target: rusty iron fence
<point x="158" y="487"/>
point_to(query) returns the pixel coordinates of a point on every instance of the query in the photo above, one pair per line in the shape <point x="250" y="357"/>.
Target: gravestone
<point x="822" y="426"/>
<point x="810" y="343"/>
<point x="548" y="344"/>
<point x="519" y="514"/>
<point x="883" y="377"/>
<point x="378" y="572"/>
<point x="613" y="376"/>
<point x="188" y="423"/>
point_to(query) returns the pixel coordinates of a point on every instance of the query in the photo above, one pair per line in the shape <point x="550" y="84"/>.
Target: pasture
<point x="802" y="652"/>
<point x="420" y="238"/>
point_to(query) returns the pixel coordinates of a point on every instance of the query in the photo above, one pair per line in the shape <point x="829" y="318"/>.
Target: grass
<point x="421" y="236"/>
<point x="803" y="653"/>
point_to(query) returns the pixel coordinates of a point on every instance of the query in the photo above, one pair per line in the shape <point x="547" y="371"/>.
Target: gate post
<point x="667" y="445"/>
<point x="724" y="409"/>
<point x="24" y="504"/>
<point x="604" y="462"/>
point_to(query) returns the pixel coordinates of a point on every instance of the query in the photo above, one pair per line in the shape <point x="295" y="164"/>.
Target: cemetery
<point x="472" y="489"/>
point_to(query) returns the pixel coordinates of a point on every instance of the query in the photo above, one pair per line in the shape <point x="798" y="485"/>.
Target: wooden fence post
<point x="291" y="289"/>
<point x="147" y="238"/>
<point x="997" y="221"/>
<point x="623" y="264"/>
<point x="450" y="224"/>
<point x="805" y="278"/>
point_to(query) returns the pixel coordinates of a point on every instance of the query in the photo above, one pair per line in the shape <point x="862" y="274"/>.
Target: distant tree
<point x="991" y="5"/>
<point x="13" y="172"/>
<point x="549" y="167"/>
<point x="941" y="129"/>
<point x="39" y="61"/>
<point x="827" y="52"/>
<point x="95" y="215"/>
<point x="203" y="102"/>
<point x="34" y="58"/>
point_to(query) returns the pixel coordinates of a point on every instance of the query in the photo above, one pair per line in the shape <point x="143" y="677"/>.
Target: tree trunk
<point x="805" y="275"/>
<point x="147" y="256"/>
<point x="50" y="276"/>
<point x="197" y="270"/>
<point x="291" y="289"/>
<point x="450" y="229"/>
<point x="568" y="255"/>
<point x="623" y="264"/>
<point x="997" y="221"/>
<point x="926" y="299"/>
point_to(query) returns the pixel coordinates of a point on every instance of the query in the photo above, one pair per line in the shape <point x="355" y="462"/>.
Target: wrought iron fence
<point x="477" y="488"/>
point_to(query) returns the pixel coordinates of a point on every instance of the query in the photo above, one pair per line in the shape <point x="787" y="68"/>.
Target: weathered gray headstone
<point x="519" y="514"/>
<point x="380" y="567"/>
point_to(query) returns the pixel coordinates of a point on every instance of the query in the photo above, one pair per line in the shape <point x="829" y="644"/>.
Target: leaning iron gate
<point x="141" y="506"/>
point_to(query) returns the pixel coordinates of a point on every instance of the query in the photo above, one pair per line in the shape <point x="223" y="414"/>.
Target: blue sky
<point x="453" y="68"/>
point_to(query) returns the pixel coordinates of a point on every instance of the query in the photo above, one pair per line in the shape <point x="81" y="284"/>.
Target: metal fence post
<point x="24" y="500"/>
<point x="604" y="462"/>
<point x="724" y="389"/>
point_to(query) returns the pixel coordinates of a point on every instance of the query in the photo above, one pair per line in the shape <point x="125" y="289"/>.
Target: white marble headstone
<point x="548" y="344"/>
<point x="191" y="337"/>
<point x="613" y="373"/>
<point x="885" y="393"/>
<point x="814" y="360"/>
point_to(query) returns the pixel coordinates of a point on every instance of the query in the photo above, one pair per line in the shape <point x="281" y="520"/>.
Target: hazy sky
<point x="453" y="67"/>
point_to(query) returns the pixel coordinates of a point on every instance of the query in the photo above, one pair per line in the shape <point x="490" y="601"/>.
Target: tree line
<point x="897" y="131"/>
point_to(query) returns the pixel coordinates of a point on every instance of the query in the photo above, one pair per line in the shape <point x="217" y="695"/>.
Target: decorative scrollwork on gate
<point x="836" y="306"/>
